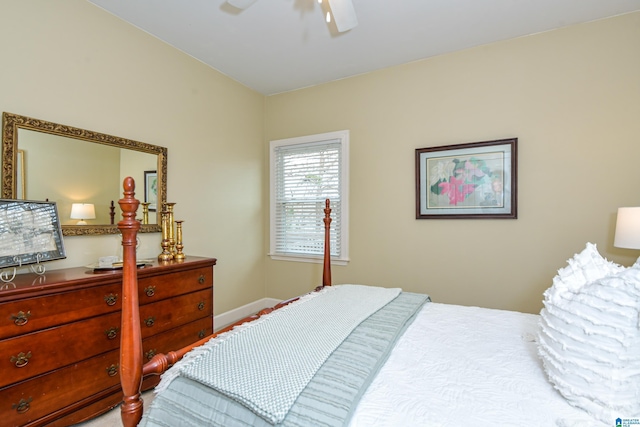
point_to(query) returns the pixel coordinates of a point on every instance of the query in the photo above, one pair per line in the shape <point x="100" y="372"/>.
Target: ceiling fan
<point x="344" y="15"/>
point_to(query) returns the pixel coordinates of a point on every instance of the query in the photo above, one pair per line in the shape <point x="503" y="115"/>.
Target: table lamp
<point x="83" y="211"/>
<point x="627" y="228"/>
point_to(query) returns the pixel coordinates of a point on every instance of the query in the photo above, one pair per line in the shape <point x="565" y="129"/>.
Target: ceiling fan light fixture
<point x="241" y="4"/>
<point x="344" y="14"/>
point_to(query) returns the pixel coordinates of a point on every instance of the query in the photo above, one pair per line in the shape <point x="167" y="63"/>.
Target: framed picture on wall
<point x="473" y="180"/>
<point x="151" y="189"/>
<point x="30" y="232"/>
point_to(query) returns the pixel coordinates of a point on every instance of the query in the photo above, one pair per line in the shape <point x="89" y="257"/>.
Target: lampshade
<point x="628" y="228"/>
<point x="83" y="211"/>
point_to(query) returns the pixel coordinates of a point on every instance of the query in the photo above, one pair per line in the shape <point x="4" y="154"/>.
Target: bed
<point x="368" y="356"/>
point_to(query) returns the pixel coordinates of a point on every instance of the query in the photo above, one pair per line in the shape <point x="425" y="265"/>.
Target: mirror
<point x="48" y="161"/>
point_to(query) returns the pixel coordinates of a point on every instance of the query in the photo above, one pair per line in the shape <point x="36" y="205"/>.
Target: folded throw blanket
<point x="254" y="364"/>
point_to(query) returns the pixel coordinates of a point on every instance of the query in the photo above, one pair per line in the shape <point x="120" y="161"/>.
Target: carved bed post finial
<point x="326" y="273"/>
<point x="131" y="336"/>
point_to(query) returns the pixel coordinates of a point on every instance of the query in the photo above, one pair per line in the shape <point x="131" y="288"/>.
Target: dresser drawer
<point x="171" y="313"/>
<point x="175" y="339"/>
<point x="29" y="400"/>
<point x="33" y="354"/>
<point x="37" y="397"/>
<point x="84" y="413"/>
<point x="32" y="314"/>
<point x="156" y="288"/>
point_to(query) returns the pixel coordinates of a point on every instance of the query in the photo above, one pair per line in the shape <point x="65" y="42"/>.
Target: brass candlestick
<point x="166" y="254"/>
<point x="145" y="212"/>
<point x="179" y="256"/>
<point x="171" y="235"/>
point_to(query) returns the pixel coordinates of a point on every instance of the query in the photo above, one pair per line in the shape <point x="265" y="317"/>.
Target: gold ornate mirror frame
<point x="11" y="123"/>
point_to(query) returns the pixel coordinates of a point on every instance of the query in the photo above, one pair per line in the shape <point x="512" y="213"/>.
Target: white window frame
<point x="343" y="137"/>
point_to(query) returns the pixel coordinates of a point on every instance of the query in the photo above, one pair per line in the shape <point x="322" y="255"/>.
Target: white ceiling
<point x="280" y="45"/>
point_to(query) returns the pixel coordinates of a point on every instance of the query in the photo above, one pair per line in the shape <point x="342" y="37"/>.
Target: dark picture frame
<point x="30" y="232"/>
<point x="472" y="180"/>
<point x="151" y="189"/>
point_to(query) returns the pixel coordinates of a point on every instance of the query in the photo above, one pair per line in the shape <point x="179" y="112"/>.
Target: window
<point x="306" y="171"/>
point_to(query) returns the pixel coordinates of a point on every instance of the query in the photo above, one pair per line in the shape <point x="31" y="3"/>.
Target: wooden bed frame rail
<point x="132" y="370"/>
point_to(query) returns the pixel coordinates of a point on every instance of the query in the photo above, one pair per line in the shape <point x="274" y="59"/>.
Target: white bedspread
<point x="483" y="371"/>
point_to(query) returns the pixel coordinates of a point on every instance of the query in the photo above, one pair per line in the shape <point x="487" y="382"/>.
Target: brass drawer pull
<point x="202" y="333"/>
<point x="150" y="321"/>
<point x="201" y="279"/>
<point x="22" y="406"/>
<point x="201" y="305"/>
<point x="112" y="332"/>
<point x="112" y="370"/>
<point x="150" y="291"/>
<point x="21" y="318"/>
<point x="111" y="299"/>
<point x="149" y="354"/>
<point x="21" y="360"/>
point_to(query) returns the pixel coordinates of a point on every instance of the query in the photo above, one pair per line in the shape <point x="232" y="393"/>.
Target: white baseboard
<point x="231" y="316"/>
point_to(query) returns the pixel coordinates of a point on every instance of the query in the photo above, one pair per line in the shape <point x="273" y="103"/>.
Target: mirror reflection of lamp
<point x="83" y="211"/>
<point x="628" y="228"/>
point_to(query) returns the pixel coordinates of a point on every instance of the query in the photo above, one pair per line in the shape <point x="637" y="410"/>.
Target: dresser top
<point x="67" y="279"/>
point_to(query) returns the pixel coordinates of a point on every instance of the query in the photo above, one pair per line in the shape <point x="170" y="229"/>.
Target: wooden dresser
<point x="60" y="335"/>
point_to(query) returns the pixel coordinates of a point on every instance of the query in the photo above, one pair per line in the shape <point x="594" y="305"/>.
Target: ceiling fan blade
<point x="344" y="15"/>
<point x="241" y="4"/>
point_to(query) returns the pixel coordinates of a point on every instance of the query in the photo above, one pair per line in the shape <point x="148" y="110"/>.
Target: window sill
<point x="312" y="259"/>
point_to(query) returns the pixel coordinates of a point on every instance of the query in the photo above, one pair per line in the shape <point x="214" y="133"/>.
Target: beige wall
<point x="571" y="96"/>
<point x="72" y="63"/>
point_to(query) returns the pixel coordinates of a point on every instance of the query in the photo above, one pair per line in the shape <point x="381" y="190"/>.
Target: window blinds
<point x="305" y="175"/>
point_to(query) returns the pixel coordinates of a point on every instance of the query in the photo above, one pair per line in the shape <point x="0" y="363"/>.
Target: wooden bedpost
<point x="131" y="366"/>
<point x="131" y="336"/>
<point x="326" y="272"/>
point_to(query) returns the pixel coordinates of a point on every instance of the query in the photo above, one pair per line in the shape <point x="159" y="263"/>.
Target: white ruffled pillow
<point x="589" y="339"/>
